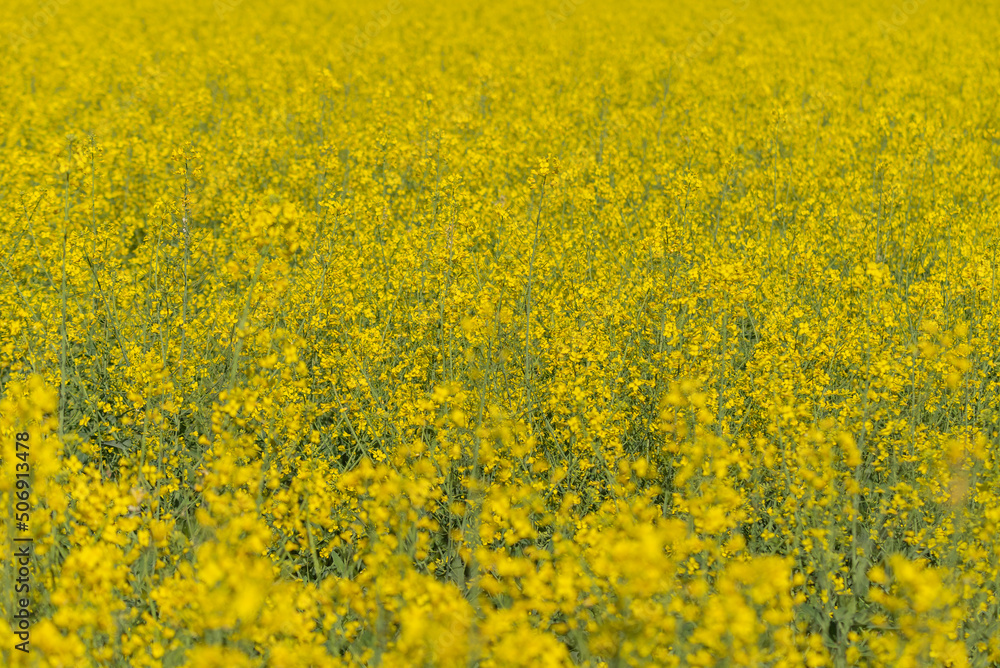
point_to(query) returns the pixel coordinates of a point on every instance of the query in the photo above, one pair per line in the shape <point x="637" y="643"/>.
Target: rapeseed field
<point x="413" y="333"/>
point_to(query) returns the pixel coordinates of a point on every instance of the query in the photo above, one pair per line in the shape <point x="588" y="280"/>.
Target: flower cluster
<point x="504" y="334"/>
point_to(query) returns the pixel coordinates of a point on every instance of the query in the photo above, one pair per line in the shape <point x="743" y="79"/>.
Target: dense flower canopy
<point x="418" y="333"/>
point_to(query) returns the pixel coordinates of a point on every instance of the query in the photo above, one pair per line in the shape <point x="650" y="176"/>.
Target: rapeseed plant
<point x="505" y="334"/>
